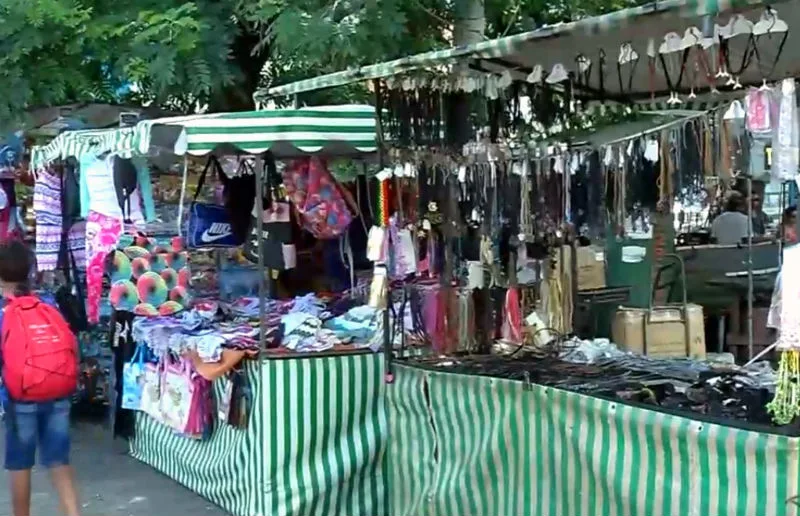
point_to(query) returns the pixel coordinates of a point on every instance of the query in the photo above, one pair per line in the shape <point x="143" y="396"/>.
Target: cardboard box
<point x="662" y="333"/>
<point x="590" y="264"/>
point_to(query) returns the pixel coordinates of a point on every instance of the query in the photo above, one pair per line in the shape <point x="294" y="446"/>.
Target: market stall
<point x="514" y="434"/>
<point x="316" y="440"/>
<point x="302" y="425"/>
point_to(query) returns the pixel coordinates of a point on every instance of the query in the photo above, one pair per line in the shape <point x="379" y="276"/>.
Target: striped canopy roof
<point x="334" y="130"/>
<point x="598" y="38"/>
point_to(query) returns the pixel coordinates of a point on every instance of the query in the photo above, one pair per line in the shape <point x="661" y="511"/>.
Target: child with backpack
<point x="39" y="361"/>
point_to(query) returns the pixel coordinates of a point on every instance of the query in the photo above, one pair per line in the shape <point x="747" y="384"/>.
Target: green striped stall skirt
<point x="315" y="443"/>
<point x="332" y="439"/>
<point x="475" y="446"/>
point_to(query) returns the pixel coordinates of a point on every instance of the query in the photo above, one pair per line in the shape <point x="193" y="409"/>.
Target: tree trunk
<point x="469" y="27"/>
<point x="239" y="95"/>
<point x="470" y="22"/>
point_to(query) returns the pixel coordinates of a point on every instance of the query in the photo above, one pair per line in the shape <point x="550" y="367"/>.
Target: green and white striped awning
<point x="333" y="130"/>
<point x="598" y="38"/>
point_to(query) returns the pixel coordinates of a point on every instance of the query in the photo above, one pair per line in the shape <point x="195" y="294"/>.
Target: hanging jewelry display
<point x="626" y="67"/>
<point x="601" y="74"/>
<point x="703" y="54"/>
<point x="651" y="67"/>
<point x="718" y="56"/>
<point x="672" y="54"/>
<point x="583" y="74"/>
<point x="736" y="39"/>
<point x="383" y="202"/>
<point x="525" y="226"/>
<point x="691" y="41"/>
<point x="665" y="175"/>
<point x="766" y="32"/>
<point x="557" y="75"/>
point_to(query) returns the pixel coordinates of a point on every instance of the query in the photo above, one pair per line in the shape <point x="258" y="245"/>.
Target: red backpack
<point x="40" y="352"/>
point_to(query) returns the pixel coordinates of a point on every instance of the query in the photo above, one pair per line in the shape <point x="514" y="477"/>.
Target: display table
<point x="315" y="443"/>
<point x="482" y="446"/>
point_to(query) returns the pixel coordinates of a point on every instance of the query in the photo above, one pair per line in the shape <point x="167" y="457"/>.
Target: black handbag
<point x="276" y="226"/>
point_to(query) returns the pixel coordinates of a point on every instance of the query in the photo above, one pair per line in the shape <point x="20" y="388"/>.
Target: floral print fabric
<point x="318" y="198"/>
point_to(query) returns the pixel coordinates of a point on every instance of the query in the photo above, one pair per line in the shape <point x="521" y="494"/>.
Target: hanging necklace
<point x="651" y="67"/>
<point x="704" y="51"/>
<point x="627" y="56"/>
<point x="601" y="65"/>
<point x="673" y="55"/>
<point x="739" y="28"/>
<point x="764" y="29"/>
<point x="583" y="66"/>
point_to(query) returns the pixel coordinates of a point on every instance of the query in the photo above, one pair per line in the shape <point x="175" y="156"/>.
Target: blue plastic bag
<point x="133" y="380"/>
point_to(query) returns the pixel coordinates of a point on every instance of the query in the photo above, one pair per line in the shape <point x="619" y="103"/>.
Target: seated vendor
<point x="760" y="219"/>
<point x="733" y="225"/>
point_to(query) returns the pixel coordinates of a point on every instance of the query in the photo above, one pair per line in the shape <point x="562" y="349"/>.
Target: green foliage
<point x="173" y="52"/>
<point x="179" y="54"/>
<point x="336" y="34"/>
<point x="313" y="37"/>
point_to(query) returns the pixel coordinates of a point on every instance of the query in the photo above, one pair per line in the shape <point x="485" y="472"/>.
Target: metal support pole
<point x="270" y="172"/>
<point x="388" y="352"/>
<point x="781" y="229"/>
<point x="262" y="287"/>
<point x="182" y="202"/>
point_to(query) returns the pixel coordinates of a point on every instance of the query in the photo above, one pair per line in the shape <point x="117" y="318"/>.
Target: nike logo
<point x="217" y="231"/>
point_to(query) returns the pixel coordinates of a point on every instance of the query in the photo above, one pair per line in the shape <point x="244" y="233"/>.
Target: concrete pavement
<point x="112" y="483"/>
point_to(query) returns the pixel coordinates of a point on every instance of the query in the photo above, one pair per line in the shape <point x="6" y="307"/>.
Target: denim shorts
<point x="45" y="425"/>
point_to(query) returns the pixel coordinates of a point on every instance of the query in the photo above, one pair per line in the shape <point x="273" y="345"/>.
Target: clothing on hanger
<point x="102" y="235"/>
<point x="99" y="189"/>
<point x="786" y="138"/>
<point x="123" y="346"/>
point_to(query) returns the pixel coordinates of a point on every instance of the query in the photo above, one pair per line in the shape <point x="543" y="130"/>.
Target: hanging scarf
<point x="512" y="317"/>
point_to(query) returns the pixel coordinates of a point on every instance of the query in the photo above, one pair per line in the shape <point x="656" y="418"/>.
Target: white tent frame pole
<point x="750" y="268"/>
<point x="182" y="202"/>
<point x="656" y="129"/>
